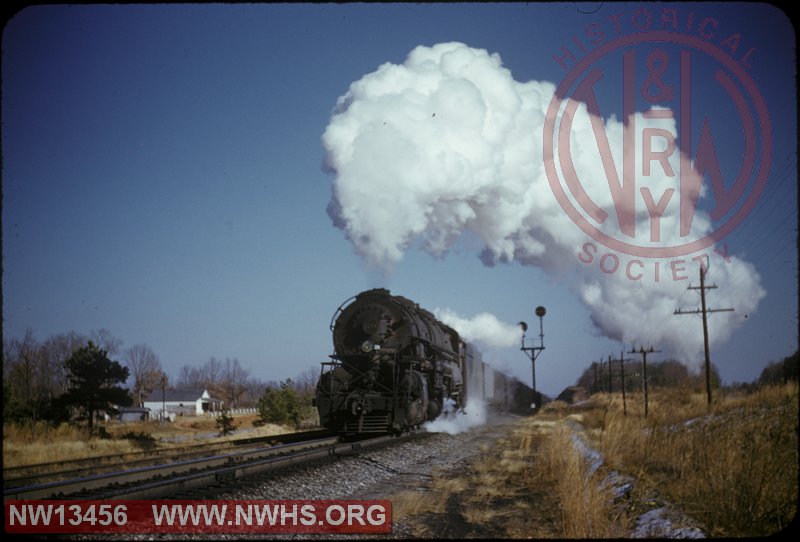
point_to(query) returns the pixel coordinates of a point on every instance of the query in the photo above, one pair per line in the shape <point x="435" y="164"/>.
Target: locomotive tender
<point x="395" y="366"/>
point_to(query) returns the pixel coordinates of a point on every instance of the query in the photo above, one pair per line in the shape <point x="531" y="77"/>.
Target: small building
<point x="132" y="414"/>
<point x="180" y="402"/>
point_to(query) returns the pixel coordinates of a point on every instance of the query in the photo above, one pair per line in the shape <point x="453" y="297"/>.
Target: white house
<point x="180" y="402"/>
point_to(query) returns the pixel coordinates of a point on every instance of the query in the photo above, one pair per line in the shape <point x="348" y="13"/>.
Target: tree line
<point x="48" y="380"/>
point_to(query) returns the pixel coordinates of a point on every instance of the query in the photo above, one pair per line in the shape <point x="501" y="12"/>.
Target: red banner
<point x="185" y="516"/>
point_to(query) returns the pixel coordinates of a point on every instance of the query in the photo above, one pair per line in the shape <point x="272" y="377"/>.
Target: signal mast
<point x="533" y="352"/>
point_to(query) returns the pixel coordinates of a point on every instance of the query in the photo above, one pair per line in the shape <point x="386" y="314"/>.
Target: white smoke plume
<point x="484" y="328"/>
<point x="452" y="422"/>
<point x="449" y="142"/>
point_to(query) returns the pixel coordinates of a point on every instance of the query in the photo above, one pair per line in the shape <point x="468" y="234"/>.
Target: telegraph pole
<point x="598" y="376"/>
<point x="704" y="311"/>
<point x="644" y="353"/>
<point x="602" y="387"/>
<point x="163" y="397"/>
<point x="622" y="361"/>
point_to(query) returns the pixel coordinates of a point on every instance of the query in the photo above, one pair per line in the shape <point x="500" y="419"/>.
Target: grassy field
<point x="731" y="469"/>
<point x="41" y="443"/>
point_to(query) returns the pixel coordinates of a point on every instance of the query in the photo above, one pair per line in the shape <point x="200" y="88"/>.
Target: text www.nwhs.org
<point x="332" y="516"/>
<point x="266" y="514"/>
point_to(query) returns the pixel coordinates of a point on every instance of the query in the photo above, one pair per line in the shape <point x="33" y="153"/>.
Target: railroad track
<point x="26" y="475"/>
<point x="190" y="475"/>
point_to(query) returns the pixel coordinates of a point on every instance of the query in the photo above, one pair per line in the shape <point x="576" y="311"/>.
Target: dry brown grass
<point x="733" y="468"/>
<point x="419" y="505"/>
<point x="32" y="444"/>
<point x="586" y="507"/>
<point x="40" y="443"/>
<point x="533" y="484"/>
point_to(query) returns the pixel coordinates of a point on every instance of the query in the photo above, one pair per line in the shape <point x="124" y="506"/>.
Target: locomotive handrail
<point x="359" y="375"/>
<point x="340" y="310"/>
<point x="433" y="346"/>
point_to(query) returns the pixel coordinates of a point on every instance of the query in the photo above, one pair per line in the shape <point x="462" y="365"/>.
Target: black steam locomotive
<point x="395" y="366"/>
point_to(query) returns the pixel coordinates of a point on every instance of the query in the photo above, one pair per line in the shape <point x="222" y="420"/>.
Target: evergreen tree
<point x="94" y="382"/>
<point x="280" y="406"/>
<point x="225" y="423"/>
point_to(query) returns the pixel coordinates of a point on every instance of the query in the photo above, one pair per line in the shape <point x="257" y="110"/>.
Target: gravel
<point x="378" y="473"/>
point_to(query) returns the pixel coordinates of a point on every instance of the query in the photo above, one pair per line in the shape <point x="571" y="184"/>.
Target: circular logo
<point x="617" y="203"/>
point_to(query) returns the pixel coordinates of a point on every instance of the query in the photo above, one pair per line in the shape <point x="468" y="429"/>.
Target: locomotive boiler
<point x="394" y="366"/>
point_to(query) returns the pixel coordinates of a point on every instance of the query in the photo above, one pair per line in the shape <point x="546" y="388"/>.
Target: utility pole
<point x="598" y="376"/>
<point x="163" y="397"/>
<point x="644" y="353"/>
<point x="704" y="311"/>
<point x="602" y="387"/>
<point x="622" y="361"/>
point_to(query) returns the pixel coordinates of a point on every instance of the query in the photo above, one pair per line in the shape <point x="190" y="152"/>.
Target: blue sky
<point x="162" y="178"/>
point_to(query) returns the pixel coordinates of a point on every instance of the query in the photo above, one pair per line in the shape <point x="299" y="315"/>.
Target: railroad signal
<point x="533" y="351"/>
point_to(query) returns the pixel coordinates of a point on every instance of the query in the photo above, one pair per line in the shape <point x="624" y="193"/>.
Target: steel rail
<point x="82" y="486"/>
<point x="196" y="481"/>
<point x="37" y="472"/>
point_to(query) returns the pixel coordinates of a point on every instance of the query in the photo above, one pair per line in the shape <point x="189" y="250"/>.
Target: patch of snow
<point x="653" y="523"/>
<point x="656" y="524"/>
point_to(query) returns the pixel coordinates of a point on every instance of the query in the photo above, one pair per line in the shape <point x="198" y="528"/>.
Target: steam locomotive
<point x="395" y="366"/>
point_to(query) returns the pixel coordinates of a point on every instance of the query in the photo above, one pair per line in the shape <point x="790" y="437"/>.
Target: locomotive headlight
<point x="367" y="347"/>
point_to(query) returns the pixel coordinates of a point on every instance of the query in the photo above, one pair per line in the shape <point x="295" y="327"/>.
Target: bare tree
<point x="145" y="368"/>
<point x="233" y="384"/>
<point x="226" y="380"/>
<point x="106" y="341"/>
<point x="254" y="389"/>
<point x="58" y="349"/>
<point x="306" y="382"/>
<point x="209" y="376"/>
<point x="190" y="377"/>
<point x="27" y="374"/>
<point x="212" y="373"/>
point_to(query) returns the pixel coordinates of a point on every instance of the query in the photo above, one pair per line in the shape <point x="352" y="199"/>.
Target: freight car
<point x="395" y="366"/>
